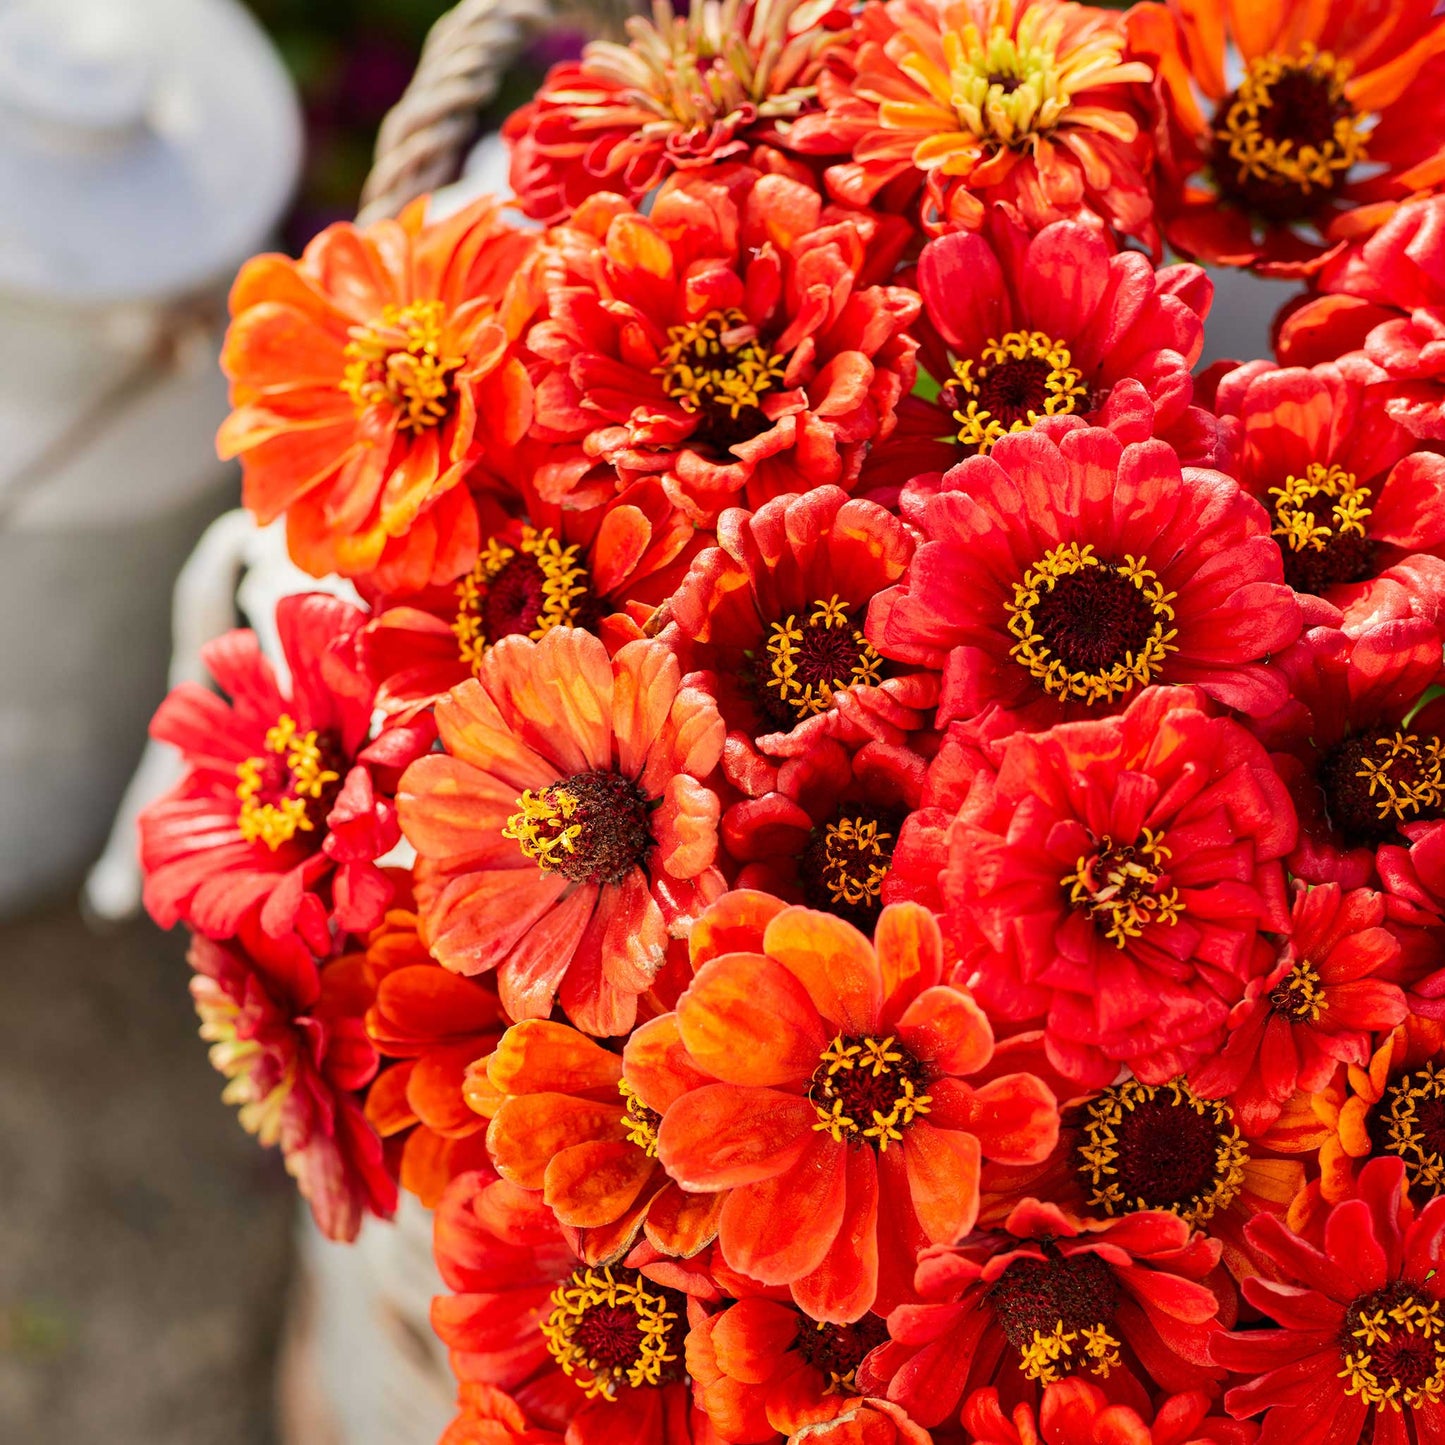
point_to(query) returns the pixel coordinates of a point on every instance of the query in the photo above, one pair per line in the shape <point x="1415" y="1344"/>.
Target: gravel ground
<point x="146" y="1239"/>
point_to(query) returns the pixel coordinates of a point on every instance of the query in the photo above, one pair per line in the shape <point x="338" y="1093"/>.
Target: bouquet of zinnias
<point x="874" y="847"/>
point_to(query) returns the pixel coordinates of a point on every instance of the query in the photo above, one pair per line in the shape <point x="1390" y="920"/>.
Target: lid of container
<point x="146" y="147"/>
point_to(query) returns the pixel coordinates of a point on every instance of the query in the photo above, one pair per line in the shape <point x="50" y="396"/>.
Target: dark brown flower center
<point x="868" y="1090"/>
<point x="1288" y="135"/>
<point x="1146" y="1146"/>
<point x="593" y="827"/>
<point x="809" y="658"/>
<point x="290" y="786"/>
<point x="1124" y="887"/>
<point x="719" y="369"/>
<point x="1392" y="1344"/>
<point x="845" y="862"/>
<point x="1319" y="521"/>
<point x="1087" y="630"/>
<point x="1057" y="1312"/>
<point x="1409" y="1122"/>
<point x="1300" y="995"/>
<point x="1012" y="383"/>
<point x="612" y="1329"/>
<point x="1374" y="783"/>
<point x="525" y="590"/>
<point x="837" y="1350"/>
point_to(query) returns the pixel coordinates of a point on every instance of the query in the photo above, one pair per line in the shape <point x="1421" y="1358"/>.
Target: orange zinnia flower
<point x="842" y="1125"/>
<point x="567" y="1120"/>
<point x="566" y="828"/>
<point x="362" y="379"/>
<point x="1030" y="102"/>
<point x="1337" y="116"/>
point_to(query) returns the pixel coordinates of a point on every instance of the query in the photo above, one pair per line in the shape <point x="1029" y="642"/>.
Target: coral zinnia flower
<point x="1386" y="298"/>
<point x="820" y="829"/>
<point x="558" y="568"/>
<point x="1361" y="759"/>
<point x="1110" y="877"/>
<point x="283" y="808"/>
<point x="565" y="827"/>
<point x="596" y="1352"/>
<point x="364" y="375"/>
<point x="843" y="1125"/>
<point x="1062" y="574"/>
<point x="433" y="1024"/>
<point x="728" y="342"/>
<point x="1314" y="1010"/>
<point x="1046" y="1297"/>
<point x="1028" y="102"/>
<point x="1074" y="1412"/>
<point x="1331" y="113"/>
<point x="566" y="1121"/>
<point x="1349" y="494"/>
<point x="292" y="1046"/>
<point x="776" y="610"/>
<point x="684" y="93"/>
<point x="761" y="1365"/>
<point x="1049" y="325"/>
<point x="1359" y="1352"/>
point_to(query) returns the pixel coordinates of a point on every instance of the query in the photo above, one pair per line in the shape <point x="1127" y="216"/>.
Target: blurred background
<point x="147" y="1284"/>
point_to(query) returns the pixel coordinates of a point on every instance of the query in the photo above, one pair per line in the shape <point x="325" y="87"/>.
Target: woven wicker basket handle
<point x="424" y="138"/>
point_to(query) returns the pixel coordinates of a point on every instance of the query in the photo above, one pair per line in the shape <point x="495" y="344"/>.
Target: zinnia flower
<point x="596" y="1353"/>
<point x="863" y="1422"/>
<point x="1349" y="493"/>
<point x="566" y="1120"/>
<point x="294" y="1052"/>
<point x="842" y="1125"/>
<point x="1075" y="1412"/>
<point x="490" y="1416"/>
<point x="432" y="1024"/>
<point x="1359" y="1348"/>
<point x="730" y="342"/>
<point x="1361" y="760"/>
<point x="1027" y="102"/>
<point x="776" y="610"/>
<point x="283" y="809"/>
<point x="561" y="567"/>
<point x="1330" y="116"/>
<point x="1110" y="877"/>
<point x="364" y="377"/>
<point x="565" y="827"/>
<point x="1049" y="325"/>
<point x="1063" y="574"/>
<point x="683" y="93"/>
<point x="1314" y="1010"/>
<point x="1044" y="1298"/>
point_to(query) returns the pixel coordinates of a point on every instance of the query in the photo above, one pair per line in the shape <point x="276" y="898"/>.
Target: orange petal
<point x="530" y="1129"/>
<point x="910" y="952"/>
<point x="946" y="1028"/>
<point x="596" y="1182"/>
<point x="539" y="1055"/>
<point x="842" y="1289"/>
<point x="682" y="1224"/>
<point x="943" y="1167"/>
<point x="734" y="924"/>
<point x="834" y="962"/>
<point x="725" y="1135"/>
<point x="655" y="1063"/>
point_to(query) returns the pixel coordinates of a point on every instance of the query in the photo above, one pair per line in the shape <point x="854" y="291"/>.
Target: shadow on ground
<point x="144" y="1238"/>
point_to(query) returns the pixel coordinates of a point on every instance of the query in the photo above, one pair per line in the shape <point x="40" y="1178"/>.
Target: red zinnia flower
<point x="842" y="1125"/>
<point x="433" y="1024"/>
<point x="1362" y="764"/>
<point x="596" y="1353"/>
<point x="567" y="1120"/>
<point x="1026" y="102"/>
<point x="289" y="1039"/>
<point x="566" y="827"/>
<point x="1045" y="1297"/>
<point x="1314" y="1010"/>
<point x="1349" y="494"/>
<point x="490" y="1416"/>
<point x="1110" y="877"/>
<point x="683" y="93"/>
<point x="1055" y="324"/>
<point x="1064" y="573"/>
<point x="1074" y="1412"/>
<point x="559" y="568"/>
<point x="821" y="828"/>
<point x="775" y="613"/>
<point x="1359" y="1352"/>
<point x="1333" y="112"/>
<point x="728" y="342"/>
<point x="364" y="376"/>
<point x="283" y="809"/>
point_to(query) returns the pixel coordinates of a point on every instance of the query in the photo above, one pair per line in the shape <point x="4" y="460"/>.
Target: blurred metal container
<point x="146" y="148"/>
